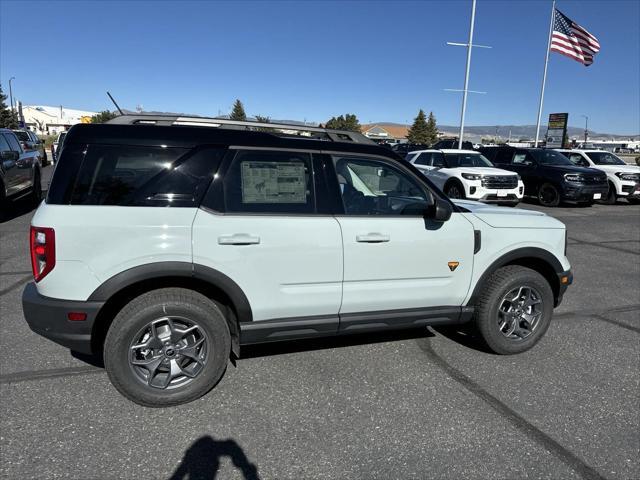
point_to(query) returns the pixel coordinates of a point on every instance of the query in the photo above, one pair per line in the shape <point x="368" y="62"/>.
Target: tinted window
<point x="438" y="160"/>
<point x="13" y="142"/>
<point x="503" y="156"/>
<point x="23" y="136"/>
<point x="424" y="159"/>
<point x="4" y="146"/>
<point x="466" y="160"/>
<point x="269" y="182"/>
<point x="522" y="158"/>
<point x="374" y="187"/>
<point x="576" y="159"/>
<point x="604" y="158"/>
<point x="550" y="157"/>
<point x="142" y="176"/>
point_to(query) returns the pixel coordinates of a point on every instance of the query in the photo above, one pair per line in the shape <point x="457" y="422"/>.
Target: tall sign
<point x="557" y="130"/>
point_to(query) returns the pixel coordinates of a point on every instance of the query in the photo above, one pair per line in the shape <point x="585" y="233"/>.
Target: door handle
<point x="373" y="238"/>
<point x="238" y="239"/>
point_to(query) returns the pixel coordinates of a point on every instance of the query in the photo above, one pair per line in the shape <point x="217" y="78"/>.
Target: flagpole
<point x="544" y="75"/>
<point x="466" y="74"/>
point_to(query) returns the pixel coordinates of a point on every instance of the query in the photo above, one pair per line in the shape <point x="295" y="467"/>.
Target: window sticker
<point x="273" y="182"/>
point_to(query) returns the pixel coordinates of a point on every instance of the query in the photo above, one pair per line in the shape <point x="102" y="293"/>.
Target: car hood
<point x="569" y="169"/>
<point x="482" y="170"/>
<point x="617" y="168"/>
<point x="508" y="217"/>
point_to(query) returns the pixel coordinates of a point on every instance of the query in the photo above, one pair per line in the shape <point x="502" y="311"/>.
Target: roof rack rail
<point x="285" y="129"/>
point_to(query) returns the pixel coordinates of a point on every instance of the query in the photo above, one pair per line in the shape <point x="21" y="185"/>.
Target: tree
<point x="347" y="122"/>
<point x="8" y="119"/>
<point x="103" y="116"/>
<point x="238" y="112"/>
<point x="419" y="131"/>
<point x="432" y="129"/>
<point x="261" y="119"/>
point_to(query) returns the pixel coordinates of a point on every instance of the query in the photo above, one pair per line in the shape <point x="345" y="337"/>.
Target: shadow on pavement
<point x="17" y="208"/>
<point x="202" y="460"/>
<point x="464" y="335"/>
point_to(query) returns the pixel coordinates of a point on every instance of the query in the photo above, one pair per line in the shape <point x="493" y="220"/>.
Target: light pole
<point x="11" y="93"/>
<point x="586" y="127"/>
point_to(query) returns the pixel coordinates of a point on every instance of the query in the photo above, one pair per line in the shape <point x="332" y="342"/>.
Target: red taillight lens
<point x="43" y="251"/>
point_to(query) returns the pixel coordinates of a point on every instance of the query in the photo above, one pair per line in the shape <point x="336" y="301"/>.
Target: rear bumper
<point x="584" y="193"/>
<point x="48" y="317"/>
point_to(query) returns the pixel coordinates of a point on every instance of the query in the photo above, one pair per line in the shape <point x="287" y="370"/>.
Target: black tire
<point x="4" y="204"/>
<point x="611" y="197"/>
<point x="454" y="190"/>
<point x="177" y="303"/>
<point x="36" y="192"/>
<point x="548" y="195"/>
<point x="504" y="281"/>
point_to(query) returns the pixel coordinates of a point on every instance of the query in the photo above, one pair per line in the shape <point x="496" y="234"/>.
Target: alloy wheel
<point x="520" y="312"/>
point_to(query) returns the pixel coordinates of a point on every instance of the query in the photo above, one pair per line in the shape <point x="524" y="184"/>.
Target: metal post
<point x="11" y="93"/>
<point x="466" y="75"/>
<point x="544" y="75"/>
<point x="586" y="128"/>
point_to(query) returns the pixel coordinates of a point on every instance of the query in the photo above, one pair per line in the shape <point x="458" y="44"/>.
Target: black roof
<point x="191" y="136"/>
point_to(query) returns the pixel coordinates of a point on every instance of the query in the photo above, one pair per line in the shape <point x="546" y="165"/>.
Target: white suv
<point x="624" y="179"/>
<point x="468" y="174"/>
<point x="166" y="247"/>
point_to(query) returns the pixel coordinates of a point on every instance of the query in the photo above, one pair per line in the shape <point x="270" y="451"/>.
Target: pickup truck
<point x="19" y="172"/>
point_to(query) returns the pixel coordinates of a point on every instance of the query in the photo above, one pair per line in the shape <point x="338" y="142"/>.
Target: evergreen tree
<point x="419" y="131"/>
<point x="432" y="129"/>
<point x="347" y="122"/>
<point x="8" y="119"/>
<point x="103" y="116"/>
<point x="261" y="119"/>
<point x="238" y="112"/>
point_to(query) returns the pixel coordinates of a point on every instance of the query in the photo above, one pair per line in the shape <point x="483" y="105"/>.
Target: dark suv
<point x="550" y="176"/>
<point x="19" y="172"/>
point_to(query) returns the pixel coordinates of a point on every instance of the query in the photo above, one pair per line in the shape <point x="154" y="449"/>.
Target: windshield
<point x="455" y="160"/>
<point x="551" y="157"/>
<point x="604" y="158"/>
<point x="23" y="136"/>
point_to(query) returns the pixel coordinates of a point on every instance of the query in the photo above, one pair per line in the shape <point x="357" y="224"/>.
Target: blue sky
<point x="382" y="60"/>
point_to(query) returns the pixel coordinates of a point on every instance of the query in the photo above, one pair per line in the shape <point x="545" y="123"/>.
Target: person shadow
<point x="201" y="461"/>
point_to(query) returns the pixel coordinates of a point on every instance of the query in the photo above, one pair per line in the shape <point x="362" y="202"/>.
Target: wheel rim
<point x="548" y="195"/>
<point x="169" y="352"/>
<point x="454" y="192"/>
<point x="520" y="313"/>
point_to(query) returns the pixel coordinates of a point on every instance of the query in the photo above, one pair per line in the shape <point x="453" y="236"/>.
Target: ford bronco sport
<point x="166" y="243"/>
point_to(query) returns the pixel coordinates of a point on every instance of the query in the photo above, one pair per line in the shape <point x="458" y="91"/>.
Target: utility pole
<point x="586" y="127"/>
<point x="466" y="90"/>
<point x="11" y="93"/>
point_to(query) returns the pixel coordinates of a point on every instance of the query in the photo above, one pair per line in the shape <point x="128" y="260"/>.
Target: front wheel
<point x="548" y="195"/>
<point x="454" y="190"/>
<point x="514" y="310"/>
<point x="36" y="193"/>
<point x="167" y="347"/>
<point x="611" y="197"/>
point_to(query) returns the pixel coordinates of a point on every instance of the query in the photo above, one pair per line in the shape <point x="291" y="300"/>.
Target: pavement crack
<point x="31" y="375"/>
<point x="530" y="430"/>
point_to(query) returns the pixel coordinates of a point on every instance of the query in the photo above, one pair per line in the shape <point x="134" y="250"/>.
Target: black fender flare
<point x="519" y="254"/>
<point x="159" y="270"/>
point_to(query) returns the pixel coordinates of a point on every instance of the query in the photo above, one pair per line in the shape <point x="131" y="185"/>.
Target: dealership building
<point x="46" y="120"/>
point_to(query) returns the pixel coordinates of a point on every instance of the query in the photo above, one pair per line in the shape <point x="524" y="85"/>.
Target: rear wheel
<point x="548" y="195"/>
<point x="514" y="310"/>
<point x="167" y="347"/>
<point x="454" y="190"/>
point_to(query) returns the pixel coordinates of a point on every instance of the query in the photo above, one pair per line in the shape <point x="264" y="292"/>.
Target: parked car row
<point x="505" y="174"/>
<point x="30" y="142"/>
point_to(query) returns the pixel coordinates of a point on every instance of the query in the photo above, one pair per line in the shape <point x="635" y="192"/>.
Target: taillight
<point x="43" y="251"/>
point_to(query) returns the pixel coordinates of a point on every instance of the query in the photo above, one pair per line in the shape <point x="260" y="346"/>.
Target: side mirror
<point x="440" y="211"/>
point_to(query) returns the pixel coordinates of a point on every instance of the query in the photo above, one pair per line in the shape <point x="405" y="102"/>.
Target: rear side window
<point x="424" y="159"/>
<point x="4" y="146"/>
<point x="13" y="142"/>
<point x="278" y="182"/>
<point x="134" y="175"/>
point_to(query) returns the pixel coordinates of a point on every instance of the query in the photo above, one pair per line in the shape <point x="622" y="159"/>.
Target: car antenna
<point x="114" y="102"/>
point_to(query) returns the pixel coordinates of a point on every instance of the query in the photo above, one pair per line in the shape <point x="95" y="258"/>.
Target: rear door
<point x="9" y="166"/>
<point x="525" y="165"/>
<point x="265" y="226"/>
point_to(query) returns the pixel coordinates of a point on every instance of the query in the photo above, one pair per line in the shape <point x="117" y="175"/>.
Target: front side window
<point x="374" y="187"/>
<point x="577" y="159"/>
<point x="424" y="159"/>
<point x="605" y="158"/>
<point x="143" y="176"/>
<point x="278" y="182"/>
<point x="550" y="157"/>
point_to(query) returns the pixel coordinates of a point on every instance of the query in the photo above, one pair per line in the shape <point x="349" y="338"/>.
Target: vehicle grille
<point x="500" y="182"/>
<point x="594" y="179"/>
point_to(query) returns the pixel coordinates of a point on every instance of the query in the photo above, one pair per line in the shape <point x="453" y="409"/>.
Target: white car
<point x="624" y="179"/>
<point x="468" y="174"/>
<point x="166" y="248"/>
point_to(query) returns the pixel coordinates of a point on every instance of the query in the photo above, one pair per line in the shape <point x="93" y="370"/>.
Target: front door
<point x="395" y="259"/>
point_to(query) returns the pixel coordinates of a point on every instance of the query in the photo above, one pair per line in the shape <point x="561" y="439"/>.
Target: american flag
<point x="572" y="40"/>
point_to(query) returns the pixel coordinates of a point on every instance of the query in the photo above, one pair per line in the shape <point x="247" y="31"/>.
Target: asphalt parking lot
<point x="419" y="404"/>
